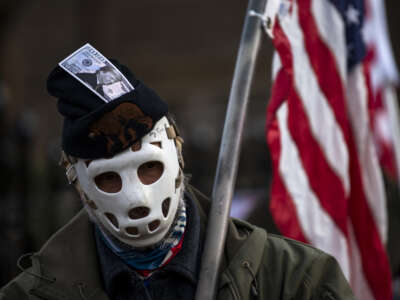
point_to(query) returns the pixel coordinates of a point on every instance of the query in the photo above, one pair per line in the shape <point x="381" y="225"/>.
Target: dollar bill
<point x="97" y="73"/>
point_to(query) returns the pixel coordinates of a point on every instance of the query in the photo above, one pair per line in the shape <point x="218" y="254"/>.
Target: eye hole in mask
<point x="157" y="144"/>
<point x="150" y="172"/>
<point x="109" y="182"/>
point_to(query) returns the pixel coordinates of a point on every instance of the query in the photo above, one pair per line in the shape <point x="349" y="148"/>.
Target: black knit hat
<point x="95" y="129"/>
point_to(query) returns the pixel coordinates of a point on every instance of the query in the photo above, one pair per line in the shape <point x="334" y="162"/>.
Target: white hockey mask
<point x="135" y="194"/>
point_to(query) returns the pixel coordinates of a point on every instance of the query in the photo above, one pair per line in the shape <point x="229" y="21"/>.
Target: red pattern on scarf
<point x="174" y="250"/>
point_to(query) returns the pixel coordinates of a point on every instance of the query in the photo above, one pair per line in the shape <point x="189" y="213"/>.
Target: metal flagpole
<point x="225" y="176"/>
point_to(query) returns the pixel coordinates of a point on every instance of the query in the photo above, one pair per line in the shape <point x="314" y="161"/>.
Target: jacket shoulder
<point x="302" y="271"/>
<point x="270" y="266"/>
<point x="19" y="287"/>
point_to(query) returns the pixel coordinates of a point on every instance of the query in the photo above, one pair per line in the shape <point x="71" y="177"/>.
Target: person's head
<point x="124" y="157"/>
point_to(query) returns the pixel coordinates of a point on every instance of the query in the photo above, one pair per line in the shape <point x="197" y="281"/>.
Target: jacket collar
<point x="244" y="249"/>
<point x="76" y="274"/>
<point x="243" y="252"/>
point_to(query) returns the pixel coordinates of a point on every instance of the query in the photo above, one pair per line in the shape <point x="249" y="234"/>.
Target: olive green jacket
<point x="255" y="265"/>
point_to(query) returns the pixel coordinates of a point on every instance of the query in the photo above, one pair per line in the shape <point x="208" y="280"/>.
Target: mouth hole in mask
<point x="157" y="144"/>
<point x="165" y="206"/>
<point x="139" y="212"/>
<point x="150" y="172"/>
<point x="109" y="182"/>
<point x="113" y="220"/>
<point x="132" y="230"/>
<point x="154" y="225"/>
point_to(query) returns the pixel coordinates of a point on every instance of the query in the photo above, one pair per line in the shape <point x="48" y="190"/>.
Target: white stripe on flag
<point x="351" y="226"/>
<point x="276" y="65"/>
<point x="372" y="178"/>
<point x="322" y="120"/>
<point x="357" y="280"/>
<point x="376" y="34"/>
<point x="331" y="28"/>
<point x="315" y="222"/>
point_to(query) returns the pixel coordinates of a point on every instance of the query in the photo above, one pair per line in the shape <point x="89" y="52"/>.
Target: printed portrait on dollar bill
<point x="97" y="73"/>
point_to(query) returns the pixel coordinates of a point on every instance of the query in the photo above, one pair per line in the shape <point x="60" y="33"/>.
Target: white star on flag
<point x="327" y="185"/>
<point x="352" y="15"/>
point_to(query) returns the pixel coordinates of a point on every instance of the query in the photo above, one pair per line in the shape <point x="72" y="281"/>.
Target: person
<point x="143" y="226"/>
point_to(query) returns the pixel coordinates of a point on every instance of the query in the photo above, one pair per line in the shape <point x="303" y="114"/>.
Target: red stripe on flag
<point x="330" y="82"/>
<point x="323" y="181"/>
<point x="374" y="259"/>
<point x="377" y="110"/>
<point x="279" y="93"/>
<point x="386" y="147"/>
<point x="367" y="75"/>
<point x="324" y="66"/>
<point x="282" y="207"/>
<point x="332" y="195"/>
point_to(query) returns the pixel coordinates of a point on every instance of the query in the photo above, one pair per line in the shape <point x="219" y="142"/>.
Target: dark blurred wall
<point x="184" y="50"/>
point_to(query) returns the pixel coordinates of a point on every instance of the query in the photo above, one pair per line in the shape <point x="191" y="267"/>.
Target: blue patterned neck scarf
<point x="151" y="259"/>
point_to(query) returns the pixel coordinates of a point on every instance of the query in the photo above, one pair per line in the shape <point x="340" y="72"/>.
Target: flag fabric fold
<point x="327" y="188"/>
<point x="382" y="78"/>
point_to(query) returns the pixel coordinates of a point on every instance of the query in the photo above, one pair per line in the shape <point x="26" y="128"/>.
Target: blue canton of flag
<point x="327" y="188"/>
<point x="352" y="12"/>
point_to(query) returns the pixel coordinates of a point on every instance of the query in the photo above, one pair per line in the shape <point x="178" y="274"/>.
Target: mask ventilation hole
<point x="136" y="146"/>
<point x="139" y="212"/>
<point x="165" y="207"/>
<point x="87" y="162"/>
<point x="112" y="219"/>
<point x="157" y="144"/>
<point x="109" y="182"/>
<point x="132" y="230"/>
<point x="154" y="225"/>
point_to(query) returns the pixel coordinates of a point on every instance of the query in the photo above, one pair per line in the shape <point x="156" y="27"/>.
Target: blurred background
<point x="185" y="50"/>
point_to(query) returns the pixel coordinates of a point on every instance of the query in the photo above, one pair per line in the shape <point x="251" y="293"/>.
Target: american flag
<point x="327" y="188"/>
<point x="382" y="77"/>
